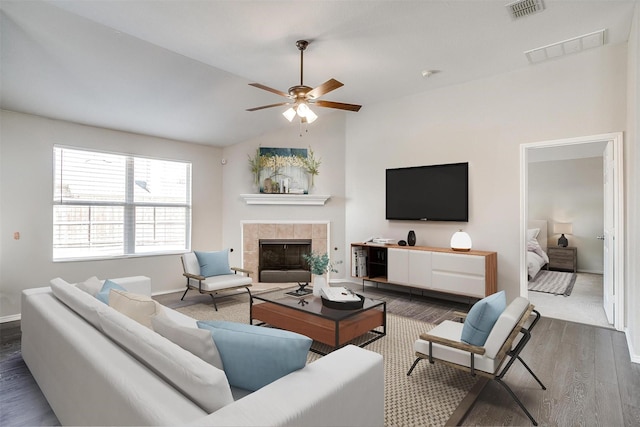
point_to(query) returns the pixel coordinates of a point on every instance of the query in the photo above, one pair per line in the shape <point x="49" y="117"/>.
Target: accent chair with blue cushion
<point x="505" y="338"/>
<point x="208" y="272"/>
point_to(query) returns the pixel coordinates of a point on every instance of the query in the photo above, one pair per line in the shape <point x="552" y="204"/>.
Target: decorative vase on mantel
<point x="319" y="282"/>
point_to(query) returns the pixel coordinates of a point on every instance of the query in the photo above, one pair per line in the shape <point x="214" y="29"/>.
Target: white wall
<point x="26" y="147"/>
<point x="571" y="191"/>
<point x="482" y="122"/>
<point x="632" y="188"/>
<point x="326" y="137"/>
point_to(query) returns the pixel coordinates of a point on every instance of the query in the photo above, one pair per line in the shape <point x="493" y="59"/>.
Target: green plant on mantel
<point x="254" y="164"/>
<point x="320" y="263"/>
<point x="312" y="165"/>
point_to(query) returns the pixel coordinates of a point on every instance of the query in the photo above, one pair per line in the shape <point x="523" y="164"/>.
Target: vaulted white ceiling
<point x="180" y="69"/>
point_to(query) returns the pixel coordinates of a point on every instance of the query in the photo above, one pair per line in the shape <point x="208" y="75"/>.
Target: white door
<point x="609" y="233"/>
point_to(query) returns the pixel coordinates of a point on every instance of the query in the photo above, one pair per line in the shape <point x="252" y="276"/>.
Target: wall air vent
<point x="521" y="8"/>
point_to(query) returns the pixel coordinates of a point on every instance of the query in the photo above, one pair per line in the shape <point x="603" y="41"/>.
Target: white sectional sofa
<point x="90" y="379"/>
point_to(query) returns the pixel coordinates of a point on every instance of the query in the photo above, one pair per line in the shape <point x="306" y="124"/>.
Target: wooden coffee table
<point x="307" y="316"/>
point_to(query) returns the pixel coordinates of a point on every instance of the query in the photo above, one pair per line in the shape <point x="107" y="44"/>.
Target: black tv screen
<point x="429" y="193"/>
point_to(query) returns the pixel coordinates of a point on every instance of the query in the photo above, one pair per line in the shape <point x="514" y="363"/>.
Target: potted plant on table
<point x="319" y="265"/>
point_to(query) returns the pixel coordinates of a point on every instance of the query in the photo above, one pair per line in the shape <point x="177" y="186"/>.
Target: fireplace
<point x="280" y="260"/>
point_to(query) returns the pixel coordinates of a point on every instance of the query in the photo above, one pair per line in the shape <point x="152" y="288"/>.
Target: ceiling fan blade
<point x="325" y="87"/>
<point x="267" y="106"/>
<point x="269" y="89"/>
<point x="338" y="105"/>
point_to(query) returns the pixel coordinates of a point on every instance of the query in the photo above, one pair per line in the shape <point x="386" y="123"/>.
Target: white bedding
<point x="536" y="256"/>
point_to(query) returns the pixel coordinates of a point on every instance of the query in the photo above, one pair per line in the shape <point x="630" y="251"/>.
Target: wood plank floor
<point x="589" y="377"/>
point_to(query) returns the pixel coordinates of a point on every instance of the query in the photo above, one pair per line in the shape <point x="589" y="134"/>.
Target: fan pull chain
<point x="306" y="129"/>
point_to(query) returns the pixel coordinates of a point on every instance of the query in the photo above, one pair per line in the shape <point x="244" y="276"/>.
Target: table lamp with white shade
<point x="563" y="228"/>
<point x="461" y="241"/>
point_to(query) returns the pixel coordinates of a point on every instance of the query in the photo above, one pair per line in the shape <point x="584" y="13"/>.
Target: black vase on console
<point x="411" y="238"/>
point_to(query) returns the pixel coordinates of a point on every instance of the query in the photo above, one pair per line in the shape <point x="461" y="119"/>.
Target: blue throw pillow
<point x="481" y="318"/>
<point x="254" y="356"/>
<point x="103" y="294"/>
<point x="213" y="263"/>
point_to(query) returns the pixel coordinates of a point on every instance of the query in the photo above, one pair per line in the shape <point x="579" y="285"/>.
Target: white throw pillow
<point x="91" y="286"/>
<point x="138" y="307"/>
<point x="195" y="340"/>
<point x="203" y="383"/>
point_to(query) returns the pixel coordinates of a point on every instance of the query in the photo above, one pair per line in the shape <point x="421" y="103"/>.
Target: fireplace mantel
<point x="285" y="199"/>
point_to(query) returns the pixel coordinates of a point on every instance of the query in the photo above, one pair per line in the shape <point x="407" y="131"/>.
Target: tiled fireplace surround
<point x="252" y="232"/>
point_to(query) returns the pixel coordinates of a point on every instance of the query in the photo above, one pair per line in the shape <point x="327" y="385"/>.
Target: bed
<point x="536" y="247"/>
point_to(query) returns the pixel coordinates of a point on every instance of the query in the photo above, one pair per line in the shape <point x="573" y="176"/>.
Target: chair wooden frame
<point x="505" y="351"/>
<point x="214" y="293"/>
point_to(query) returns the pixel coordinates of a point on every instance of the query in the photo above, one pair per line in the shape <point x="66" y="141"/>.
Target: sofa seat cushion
<point x="254" y="356"/>
<point x="203" y="383"/>
<point x="481" y="318"/>
<point x="195" y="340"/>
<point x="138" y="307"/>
<point x="453" y="331"/>
<point x="217" y="283"/>
<point x="79" y="301"/>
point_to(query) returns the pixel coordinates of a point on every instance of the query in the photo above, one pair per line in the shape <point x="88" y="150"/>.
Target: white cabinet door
<point x="420" y="269"/>
<point x="458" y="274"/>
<point x="398" y="266"/>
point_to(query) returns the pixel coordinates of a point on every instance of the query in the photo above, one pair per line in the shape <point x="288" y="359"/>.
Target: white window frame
<point x="129" y="205"/>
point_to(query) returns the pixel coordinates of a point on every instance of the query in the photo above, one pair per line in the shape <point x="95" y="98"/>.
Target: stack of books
<point x="359" y="262"/>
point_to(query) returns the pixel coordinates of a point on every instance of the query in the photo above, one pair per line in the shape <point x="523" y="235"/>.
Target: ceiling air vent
<point x="521" y="8"/>
<point x="566" y="47"/>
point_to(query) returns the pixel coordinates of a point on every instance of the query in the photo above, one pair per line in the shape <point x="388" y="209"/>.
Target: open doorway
<point x="606" y="152"/>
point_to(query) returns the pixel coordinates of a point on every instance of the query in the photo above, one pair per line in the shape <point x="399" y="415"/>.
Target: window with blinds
<point x="107" y="205"/>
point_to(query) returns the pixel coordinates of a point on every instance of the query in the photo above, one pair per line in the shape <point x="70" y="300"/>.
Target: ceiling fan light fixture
<point x="303" y="109"/>
<point x="300" y="95"/>
<point x="289" y="114"/>
<point x="311" y="116"/>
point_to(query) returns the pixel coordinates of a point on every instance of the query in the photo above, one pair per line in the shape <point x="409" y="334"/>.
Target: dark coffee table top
<point x="313" y="305"/>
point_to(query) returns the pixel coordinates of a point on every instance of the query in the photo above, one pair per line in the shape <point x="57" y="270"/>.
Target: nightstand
<point x="563" y="258"/>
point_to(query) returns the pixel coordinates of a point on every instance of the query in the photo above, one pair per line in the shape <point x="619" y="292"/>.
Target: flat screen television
<point x="428" y="193"/>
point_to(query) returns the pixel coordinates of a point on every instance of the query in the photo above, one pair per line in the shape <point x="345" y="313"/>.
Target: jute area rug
<point x="426" y="398"/>
<point x="553" y="282"/>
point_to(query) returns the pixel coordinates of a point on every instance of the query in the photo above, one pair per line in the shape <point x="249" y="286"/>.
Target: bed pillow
<point x="481" y="318"/>
<point x="103" y="295"/>
<point x="214" y="263"/>
<point x="254" y="356"/>
<point x="195" y="340"/>
<point x="532" y="233"/>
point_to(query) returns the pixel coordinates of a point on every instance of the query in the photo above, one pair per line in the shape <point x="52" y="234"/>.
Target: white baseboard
<point x="633" y="354"/>
<point x="169" y="291"/>
<point x="591" y="272"/>
<point x="11" y="318"/>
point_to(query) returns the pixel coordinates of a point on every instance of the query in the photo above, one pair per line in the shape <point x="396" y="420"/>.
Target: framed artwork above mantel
<point x="284" y="170"/>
